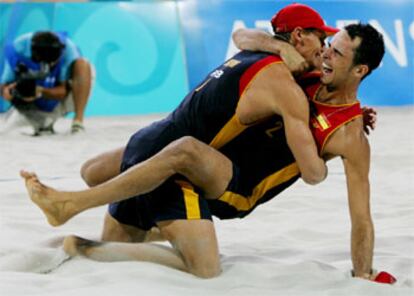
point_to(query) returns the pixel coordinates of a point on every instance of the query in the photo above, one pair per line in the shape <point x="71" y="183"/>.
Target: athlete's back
<point x="212" y="104"/>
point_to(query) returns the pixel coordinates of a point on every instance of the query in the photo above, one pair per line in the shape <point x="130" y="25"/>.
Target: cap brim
<point x="330" y="30"/>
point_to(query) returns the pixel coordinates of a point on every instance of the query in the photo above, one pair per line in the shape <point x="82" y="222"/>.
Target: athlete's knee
<point x="185" y="153"/>
<point x="87" y="172"/>
<point x="84" y="171"/>
<point x="103" y="167"/>
<point x="81" y="66"/>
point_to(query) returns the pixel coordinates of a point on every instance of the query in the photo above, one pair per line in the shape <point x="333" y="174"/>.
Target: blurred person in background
<point x="44" y="78"/>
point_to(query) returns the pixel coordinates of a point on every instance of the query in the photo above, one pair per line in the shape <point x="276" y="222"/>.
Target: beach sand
<point x="296" y="244"/>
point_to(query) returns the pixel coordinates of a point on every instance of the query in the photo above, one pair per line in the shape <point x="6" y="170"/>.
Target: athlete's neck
<point x="336" y="96"/>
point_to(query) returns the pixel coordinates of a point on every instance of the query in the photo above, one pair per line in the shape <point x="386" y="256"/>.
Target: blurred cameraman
<point x="44" y="78"/>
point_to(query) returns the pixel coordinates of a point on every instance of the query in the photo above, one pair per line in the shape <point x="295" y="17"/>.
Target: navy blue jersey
<point x="209" y="110"/>
<point x="263" y="164"/>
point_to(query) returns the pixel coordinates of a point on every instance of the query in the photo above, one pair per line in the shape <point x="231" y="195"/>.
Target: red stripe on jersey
<point x="254" y="69"/>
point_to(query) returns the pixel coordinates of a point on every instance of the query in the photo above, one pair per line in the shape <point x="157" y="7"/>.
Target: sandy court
<point x="296" y="244"/>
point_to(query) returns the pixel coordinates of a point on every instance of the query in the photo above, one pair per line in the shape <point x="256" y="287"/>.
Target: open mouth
<point x="326" y="69"/>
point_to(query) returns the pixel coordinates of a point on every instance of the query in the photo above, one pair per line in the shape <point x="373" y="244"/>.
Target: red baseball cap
<point x="299" y="15"/>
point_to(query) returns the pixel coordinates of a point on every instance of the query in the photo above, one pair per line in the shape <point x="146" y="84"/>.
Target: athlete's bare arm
<point x="351" y="144"/>
<point x="258" y="40"/>
<point x="274" y="91"/>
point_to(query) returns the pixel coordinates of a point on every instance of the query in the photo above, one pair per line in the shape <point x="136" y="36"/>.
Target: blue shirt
<point x="20" y="52"/>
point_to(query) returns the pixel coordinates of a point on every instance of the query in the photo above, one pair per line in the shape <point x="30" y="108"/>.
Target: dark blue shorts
<point x="177" y="199"/>
<point x="170" y="201"/>
<point x="174" y="199"/>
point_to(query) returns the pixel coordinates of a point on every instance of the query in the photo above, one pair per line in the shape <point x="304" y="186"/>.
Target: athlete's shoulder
<point x="355" y="141"/>
<point x="348" y="137"/>
<point x="268" y="72"/>
<point x="256" y="56"/>
<point x="261" y="69"/>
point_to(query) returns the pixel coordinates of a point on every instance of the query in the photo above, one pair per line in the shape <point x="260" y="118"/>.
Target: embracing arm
<point x="257" y="40"/>
<point x="300" y="139"/>
<point x="265" y="98"/>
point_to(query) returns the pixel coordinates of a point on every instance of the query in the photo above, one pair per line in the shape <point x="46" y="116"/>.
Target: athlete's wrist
<point x="367" y="276"/>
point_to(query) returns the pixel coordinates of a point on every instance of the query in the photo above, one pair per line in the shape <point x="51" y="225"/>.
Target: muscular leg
<point x="201" y="164"/>
<point x="115" y="231"/>
<point x="194" y="250"/>
<point x="81" y="87"/>
<point x="196" y="241"/>
<point x="102" y="167"/>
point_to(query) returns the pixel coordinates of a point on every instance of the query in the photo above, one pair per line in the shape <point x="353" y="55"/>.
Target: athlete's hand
<point x="370" y="119"/>
<point x="251" y="39"/>
<point x="257" y="40"/>
<point x="292" y="59"/>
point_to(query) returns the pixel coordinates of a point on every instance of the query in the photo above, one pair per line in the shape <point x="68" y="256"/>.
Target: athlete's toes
<point x="28" y="175"/>
<point x="24" y="174"/>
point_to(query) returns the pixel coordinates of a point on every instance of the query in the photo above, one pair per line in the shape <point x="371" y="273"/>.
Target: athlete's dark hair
<point x="46" y="47"/>
<point x="371" y="49"/>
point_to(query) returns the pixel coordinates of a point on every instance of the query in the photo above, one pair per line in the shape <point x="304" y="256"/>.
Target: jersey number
<point x="271" y="131"/>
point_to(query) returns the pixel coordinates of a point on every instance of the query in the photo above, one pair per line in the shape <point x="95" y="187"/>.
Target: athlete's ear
<point x="361" y="70"/>
<point x="296" y="35"/>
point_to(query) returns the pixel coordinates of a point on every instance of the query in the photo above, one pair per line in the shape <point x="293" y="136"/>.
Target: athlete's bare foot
<point x="53" y="203"/>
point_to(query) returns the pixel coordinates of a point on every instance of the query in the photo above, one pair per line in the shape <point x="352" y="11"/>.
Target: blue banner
<point x="148" y="54"/>
<point x="208" y="26"/>
<point x="135" y="48"/>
